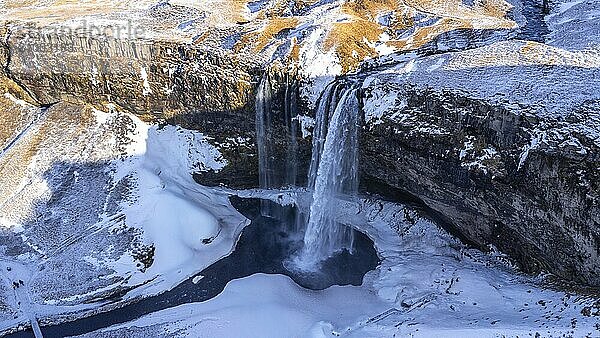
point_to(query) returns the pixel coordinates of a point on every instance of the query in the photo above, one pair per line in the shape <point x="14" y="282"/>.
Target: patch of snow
<point x="6" y="223"/>
<point x="573" y="25"/>
<point x="473" y="158"/>
<point x="533" y="144"/>
<point x="316" y="65"/>
<point x="146" y="85"/>
<point x="307" y="124"/>
<point x="101" y="117"/>
<point x="385" y="49"/>
<point x="408" y="66"/>
<point x="440" y="62"/>
<point x="94" y="76"/>
<point x="380" y="103"/>
<point x="235" y="142"/>
<point x="258" y="5"/>
<point x="80" y="297"/>
<point x="468" y="147"/>
<point x="19" y="102"/>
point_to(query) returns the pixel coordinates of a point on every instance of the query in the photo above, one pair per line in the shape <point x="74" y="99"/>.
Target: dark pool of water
<point x="263" y="247"/>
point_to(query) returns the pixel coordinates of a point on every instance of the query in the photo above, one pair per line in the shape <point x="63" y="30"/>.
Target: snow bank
<point x="265" y="306"/>
<point x="108" y="203"/>
<point x="189" y="226"/>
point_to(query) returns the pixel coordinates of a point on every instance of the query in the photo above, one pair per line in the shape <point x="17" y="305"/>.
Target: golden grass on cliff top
<point x="351" y="39"/>
<point x="262" y="38"/>
<point x="354" y="39"/>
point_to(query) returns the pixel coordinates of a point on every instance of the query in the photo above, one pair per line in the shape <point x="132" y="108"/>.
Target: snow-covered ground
<point x="428" y="285"/>
<point x="190" y="226"/>
<point x="574" y="24"/>
<point x="95" y="203"/>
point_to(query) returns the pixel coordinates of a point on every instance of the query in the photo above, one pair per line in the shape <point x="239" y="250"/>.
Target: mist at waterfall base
<point x="279" y="242"/>
<point x="333" y="172"/>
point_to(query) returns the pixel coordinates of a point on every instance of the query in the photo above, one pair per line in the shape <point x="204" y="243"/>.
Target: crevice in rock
<point x="10" y="75"/>
<point x="535" y="28"/>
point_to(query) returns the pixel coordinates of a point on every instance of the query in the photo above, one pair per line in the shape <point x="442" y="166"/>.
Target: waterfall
<point x="264" y="142"/>
<point x="264" y="134"/>
<point x="275" y="172"/>
<point x="333" y="173"/>
<point x="291" y="120"/>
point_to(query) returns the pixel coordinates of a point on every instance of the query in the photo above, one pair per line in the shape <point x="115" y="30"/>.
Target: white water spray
<point x="333" y="174"/>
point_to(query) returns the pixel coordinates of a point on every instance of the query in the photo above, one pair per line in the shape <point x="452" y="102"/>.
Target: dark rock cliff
<point x="504" y="174"/>
<point x="159" y="79"/>
<point x="545" y="215"/>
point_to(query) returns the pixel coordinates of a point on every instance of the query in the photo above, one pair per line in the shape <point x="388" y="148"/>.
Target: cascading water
<point x="291" y="119"/>
<point x="333" y="173"/>
<point x="272" y="173"/>
<point x="263" y="134"/>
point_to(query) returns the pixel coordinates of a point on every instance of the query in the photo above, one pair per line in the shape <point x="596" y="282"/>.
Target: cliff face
<point x="156" y="78"/>
<point x="498" y="135"/>
<point x="518" y="175"/>
<point x="503" y="140"/>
